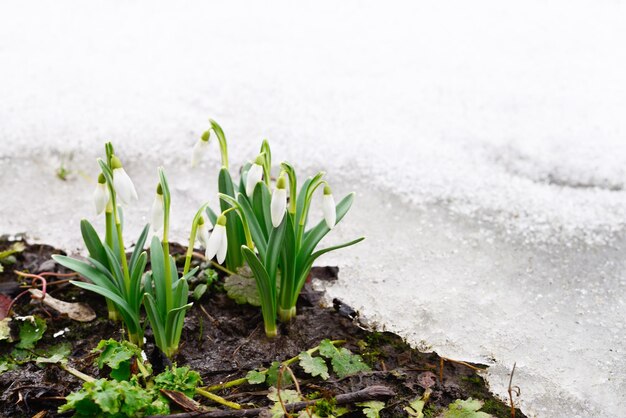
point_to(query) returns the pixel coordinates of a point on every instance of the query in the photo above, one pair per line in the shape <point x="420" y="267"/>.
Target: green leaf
<point x="54" y="354"/>
<point x="315" y="366"/>
<point x="31" y="331"/>
<point x="104" y="397"/>
<point x="327" y="349"/>
<point x="272" y="376"/>
<point x="234" y="227"/>
<point x="466" y="409"/>
<point x="107" y="397"/>
<point x="372" y="409"/>
<point x="16" y="247"/>
<point x="241" y="287"/>
<point x="255" y="377"/>
<point x="141" y="241"/>
<point x="180" y="379"/>
<point x="287" y="395"/>
<point x="199" y="291"/>
<point x="266" y="288"/>
<point x="118" y="356"/>
<point x="416" y="408"/>
<point x="93" y="242"/>
<point x="343" y="361"/>
<point x="6" y="364"/>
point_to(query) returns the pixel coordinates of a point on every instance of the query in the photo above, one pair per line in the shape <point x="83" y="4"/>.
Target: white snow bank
<point x="485" y="142"/>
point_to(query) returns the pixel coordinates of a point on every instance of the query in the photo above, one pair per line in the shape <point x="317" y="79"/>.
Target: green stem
<point x="224" y="269"/>
<point x="76" y="373"/>
<point x="218" y="399"/>
<point x="293" y="186"/>
<point x="243" y="380"/>
<point x="120" y="241"/>
<point x="221" y="138"/>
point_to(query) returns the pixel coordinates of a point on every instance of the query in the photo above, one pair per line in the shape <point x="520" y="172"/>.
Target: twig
<point x="462" y="363"/>
<point x="368" y="394"/>
<point x="512" y="389"/>
<point x="243" y="380"/>
<point x="218" y="399"/>
<point x="36" y="278"/>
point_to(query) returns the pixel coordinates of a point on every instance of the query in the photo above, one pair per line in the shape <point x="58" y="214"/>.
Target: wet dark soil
<point x="223" y="341"/>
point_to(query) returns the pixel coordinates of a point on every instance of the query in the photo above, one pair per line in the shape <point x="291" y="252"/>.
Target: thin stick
<point x="368" y="394"/>
<point x="243" y="380"/>
<point x="511" y="391"/>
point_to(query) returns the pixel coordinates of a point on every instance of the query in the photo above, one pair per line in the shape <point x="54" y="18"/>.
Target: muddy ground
<point x="223" y="341"/>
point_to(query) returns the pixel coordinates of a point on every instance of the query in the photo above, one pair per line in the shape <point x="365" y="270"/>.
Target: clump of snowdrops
<point x="265" y="224"/>
<point x="125" y="283"/>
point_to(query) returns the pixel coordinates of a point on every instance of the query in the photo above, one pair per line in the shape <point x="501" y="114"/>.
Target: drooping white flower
<point x="101" y="194"/>
<point x="203" y="231"/>
<point x="200" y="148"/>
<point x="279" y="201"/>
<point x="255" y="175"/>
<point x="158" y="212"/>
<point x="328" y="207"/>
<point x="122" y="184"/>
<point x="218" y="242"/>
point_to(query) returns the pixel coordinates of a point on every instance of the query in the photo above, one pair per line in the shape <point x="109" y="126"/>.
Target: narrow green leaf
<point x="130" y="318"/>
<point x="157" y="262"/>
<point x="255" y="229"/>
<point x="267" y="289"/>
<point x="138" y="247"/>
<point x="93" y="242"/>
<point x="87" y="271"/>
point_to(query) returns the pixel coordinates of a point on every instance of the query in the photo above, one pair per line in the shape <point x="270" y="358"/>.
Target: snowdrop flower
<point x="123" y="185"/>
<point x="158" y="214"/>
<point x="255" y="175"/>
<point x="101" y="194"/>
<point x="218" y="243"/>
<point x="203" y="232"/>
<point x="279" y="201"/>
<point x="328" y="206"/>
<point x="201" y="148"/>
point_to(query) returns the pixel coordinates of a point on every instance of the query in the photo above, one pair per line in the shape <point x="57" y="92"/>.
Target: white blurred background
<point x="486" y="142"/>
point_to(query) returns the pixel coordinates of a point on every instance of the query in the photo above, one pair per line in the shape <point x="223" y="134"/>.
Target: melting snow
<point x="486" y="143"/>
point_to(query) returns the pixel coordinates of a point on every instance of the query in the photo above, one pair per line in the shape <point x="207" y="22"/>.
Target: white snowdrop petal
<point x="199" y="149"/>
<point x="101" y="197"/>
<point x="203" y="234"/>
<point x="330" y="213"/>
<point x="278" y="206"/>
<point x="255" y="175"/>
<point x="157" y="215"/>
<point x="215" y="241"/>
<point x="124" y="186"/>
<point x="221" y="252"/>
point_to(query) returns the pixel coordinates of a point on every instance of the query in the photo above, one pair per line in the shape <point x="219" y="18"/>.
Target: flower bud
<point x="218" y="242"/>
<point x="122" y="184"/>
<point x="101" y="194"/>
<point x="255" y="175"/>
<point x="158" y="211"/>
<point x="279" y="201"/>
<point x="328" y="207"/>
<point x="200" y="148"/>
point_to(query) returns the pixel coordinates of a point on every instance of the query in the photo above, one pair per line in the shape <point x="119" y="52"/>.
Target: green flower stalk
<point x="166" y="295"/>
<point x="298" y="253"/>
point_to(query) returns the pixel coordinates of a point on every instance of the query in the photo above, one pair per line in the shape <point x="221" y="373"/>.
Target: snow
<point x="486" y="143"/>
